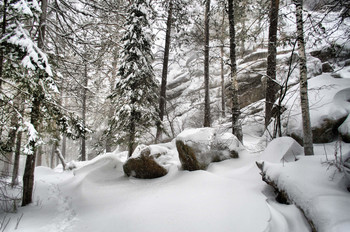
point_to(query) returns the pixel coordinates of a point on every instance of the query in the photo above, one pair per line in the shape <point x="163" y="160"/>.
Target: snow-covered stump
<point x="198" y="148"/>
<point x="143" y="164"/>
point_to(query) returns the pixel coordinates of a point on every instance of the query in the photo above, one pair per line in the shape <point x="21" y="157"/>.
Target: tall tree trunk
<point x="223" y="104"/>
<point x="162" y="99"/>
<point x="38" y="96"/>
<point x="271" y="85"/>
<point x="109" y="136"/>
<point x="236" y="127"/>
<point x="83" y="139"/>
<point x="304" y="100"/>
<point x="206" y="65"/>
<point x="3" y="31"/>
<point x="16" y="159"/>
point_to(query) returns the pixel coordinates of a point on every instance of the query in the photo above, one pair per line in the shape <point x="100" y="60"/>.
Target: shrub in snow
<point x="199" y="147"/>
<point x="145" y="164"/>
<point x="276" y="153"/>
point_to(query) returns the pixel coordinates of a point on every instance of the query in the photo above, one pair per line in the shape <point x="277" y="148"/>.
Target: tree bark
<point x="304" y="100"/>
<point x="16" y="159"/>
<point x="109" y="135"/>
<point x="271" y="85"/>
<point x="206" y="65"/>
<point x="223" y="104"/>
<point x="28" y="176"/>
<point x="132" y="131"/>
<point x="84" y="99"/>
<point x="3" y="31"/>
<point x="162" y="99"/>
<point x="38" y="96"/>
<point x="236" y="127"/>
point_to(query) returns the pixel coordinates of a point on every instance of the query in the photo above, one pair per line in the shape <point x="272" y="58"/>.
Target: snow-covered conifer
<point x="135" y="94"/>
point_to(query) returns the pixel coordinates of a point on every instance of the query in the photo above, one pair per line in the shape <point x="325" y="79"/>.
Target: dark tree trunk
<point x="132" y="131"/>
<point x="28" y="176"/>
<point x="162" y="99"/>
<point x="271" y="85"/>
<point x="236" y="127"/>
<point x="38" y="96"/>
<point x="84" y="99"/>
<point x="206" y="65"/>
<point x="3" y="31"/>
<point x="223" y="106"/>
<point x="304" y="100"/>
<point x="16" y="159"/>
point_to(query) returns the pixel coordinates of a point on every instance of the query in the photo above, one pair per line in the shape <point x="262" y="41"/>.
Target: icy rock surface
<point x="198" y="148"/>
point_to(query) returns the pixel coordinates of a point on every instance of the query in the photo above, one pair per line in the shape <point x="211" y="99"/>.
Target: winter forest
<point x="175" y="115"/>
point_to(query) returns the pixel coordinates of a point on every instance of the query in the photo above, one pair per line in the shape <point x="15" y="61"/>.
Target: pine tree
<point x="135" y="94"/>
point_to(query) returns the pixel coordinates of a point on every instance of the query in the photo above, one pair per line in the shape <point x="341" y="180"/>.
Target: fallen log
<point x="282" y="195"/>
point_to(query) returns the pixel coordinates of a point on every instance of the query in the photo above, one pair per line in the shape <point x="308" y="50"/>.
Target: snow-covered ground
<point x="229" y="196"/>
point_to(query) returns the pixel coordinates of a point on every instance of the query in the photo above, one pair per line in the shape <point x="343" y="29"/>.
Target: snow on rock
<point x="143" y="162"/>
<point x="275" y="152"/>
<point x="199" y="147"/>
<point x="315" y="188"/>
<point x="328" y="107"/>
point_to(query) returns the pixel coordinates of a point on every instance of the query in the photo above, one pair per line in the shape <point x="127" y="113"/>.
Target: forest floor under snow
<point x="229" y="196"/>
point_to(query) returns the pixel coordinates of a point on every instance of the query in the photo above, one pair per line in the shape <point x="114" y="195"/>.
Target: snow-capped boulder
<point x="145" y="163"/>
<point x="198" y="148"/>
<point x="275" y="153"/>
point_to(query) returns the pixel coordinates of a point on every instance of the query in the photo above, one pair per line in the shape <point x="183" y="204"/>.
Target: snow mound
<point x="283" y="149"/>
<point x="103" y="168"/>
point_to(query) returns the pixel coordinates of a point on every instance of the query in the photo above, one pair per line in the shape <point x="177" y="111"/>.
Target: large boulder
<point x="145" y="164"/>
<point x="198" y="148"/>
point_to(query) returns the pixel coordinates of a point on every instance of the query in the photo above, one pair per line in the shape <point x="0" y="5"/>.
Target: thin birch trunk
<point x="304" y="100"/>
